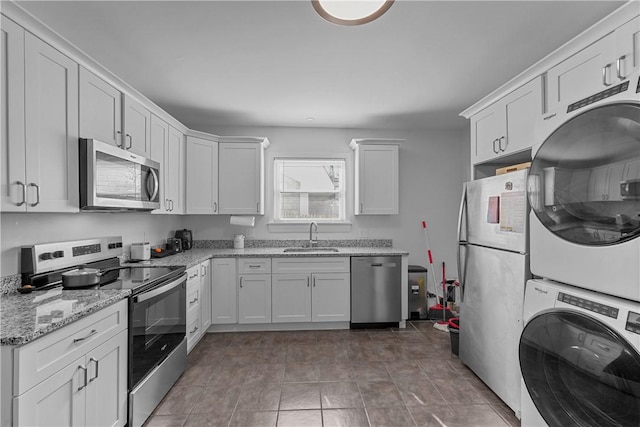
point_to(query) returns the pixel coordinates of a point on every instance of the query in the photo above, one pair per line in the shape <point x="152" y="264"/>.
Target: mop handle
<point x="433" y="273"/>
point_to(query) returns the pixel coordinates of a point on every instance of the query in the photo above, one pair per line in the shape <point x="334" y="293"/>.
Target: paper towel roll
<point x="245" y="221"/>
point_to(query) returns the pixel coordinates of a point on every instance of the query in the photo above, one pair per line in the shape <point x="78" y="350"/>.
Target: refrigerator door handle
<point x="463" y="205"/>
<point x="461" y="279"/>
<point x="461" y="213"/>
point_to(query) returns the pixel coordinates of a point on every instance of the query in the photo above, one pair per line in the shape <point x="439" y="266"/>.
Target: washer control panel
<point x="586" y="304"/>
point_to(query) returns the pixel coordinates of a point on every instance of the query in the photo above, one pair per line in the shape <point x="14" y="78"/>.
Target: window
<point x="309" y="190"/>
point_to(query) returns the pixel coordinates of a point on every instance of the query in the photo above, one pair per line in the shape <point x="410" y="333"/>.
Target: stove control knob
<point x="45" y="256"/>
<point x="58" y="254"/>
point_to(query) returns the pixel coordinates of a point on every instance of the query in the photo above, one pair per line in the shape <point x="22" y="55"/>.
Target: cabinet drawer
<point x="193" y="332"/>
<point x="193" y="274"/>
<point x="254" y="265"/>
<point x="43" y="357"/>
<point x="312" y="265"/>
<point x="193" y="297"/>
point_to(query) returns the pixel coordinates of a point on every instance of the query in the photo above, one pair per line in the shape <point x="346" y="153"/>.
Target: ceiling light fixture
<point x="351" y="12"/>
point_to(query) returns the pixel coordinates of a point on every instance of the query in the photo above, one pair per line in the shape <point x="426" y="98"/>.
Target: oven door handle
<point x="162" y="289"/>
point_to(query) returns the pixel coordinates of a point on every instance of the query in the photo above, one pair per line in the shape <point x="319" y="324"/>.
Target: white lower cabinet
<point x="291" y="298"/>
<point x="205" y="285"/>
<point x="311" y="290"/>
<point x="254" y="290"/>
<point x="224" y="292"/>
<point x="83" y="378"/>
<point x="331" y="297"/>
<point x="194" y="297"/>
<point x="254" y="298"/>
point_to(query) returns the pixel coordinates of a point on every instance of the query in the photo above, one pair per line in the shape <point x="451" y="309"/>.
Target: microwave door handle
<point x="156" y="184"/>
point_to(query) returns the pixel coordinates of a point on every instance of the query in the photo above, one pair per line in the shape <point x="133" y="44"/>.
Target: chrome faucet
<point x="313" y="242"/>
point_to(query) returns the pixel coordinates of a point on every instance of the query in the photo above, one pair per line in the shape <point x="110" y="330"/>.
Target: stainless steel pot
<point x="81" y="277"/>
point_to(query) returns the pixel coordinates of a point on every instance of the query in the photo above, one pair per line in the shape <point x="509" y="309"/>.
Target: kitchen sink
<point x="311" y="250"/>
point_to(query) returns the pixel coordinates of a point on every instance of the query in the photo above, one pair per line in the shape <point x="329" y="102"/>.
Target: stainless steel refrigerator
<point x="493" y="267"/>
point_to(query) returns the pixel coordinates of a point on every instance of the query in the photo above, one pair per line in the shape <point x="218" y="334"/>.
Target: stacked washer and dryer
<point x="580" y="346"/>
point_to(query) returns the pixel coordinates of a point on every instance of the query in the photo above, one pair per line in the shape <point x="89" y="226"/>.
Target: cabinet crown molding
<point x="374" y="141"/>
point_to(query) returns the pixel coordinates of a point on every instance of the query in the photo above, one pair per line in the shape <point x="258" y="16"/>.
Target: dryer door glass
<point x="584" y="182"/>
<point x="578" y="371"/>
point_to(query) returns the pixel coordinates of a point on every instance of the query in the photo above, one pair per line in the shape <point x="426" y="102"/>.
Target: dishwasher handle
<point x="387" y="265"/>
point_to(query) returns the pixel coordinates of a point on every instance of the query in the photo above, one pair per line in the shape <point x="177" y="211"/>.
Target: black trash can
<point x="454" y="334"/>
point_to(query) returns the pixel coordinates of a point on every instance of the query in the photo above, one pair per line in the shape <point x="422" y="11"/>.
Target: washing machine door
<point x="578" y="371"/>
<point x="584" y="181"/>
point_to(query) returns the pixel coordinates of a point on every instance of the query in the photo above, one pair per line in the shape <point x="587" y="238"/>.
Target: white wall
<point x="433" y="167"/>
<point x="30" y="228"/>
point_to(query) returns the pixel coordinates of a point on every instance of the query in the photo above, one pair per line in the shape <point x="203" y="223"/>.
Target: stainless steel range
<point x="157" y="353"/>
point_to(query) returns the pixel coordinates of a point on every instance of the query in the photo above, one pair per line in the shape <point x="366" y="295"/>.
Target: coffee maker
<point x="186" y="237"/>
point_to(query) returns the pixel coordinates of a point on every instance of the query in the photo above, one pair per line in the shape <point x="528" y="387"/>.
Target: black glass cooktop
<point x="140" y="278"/>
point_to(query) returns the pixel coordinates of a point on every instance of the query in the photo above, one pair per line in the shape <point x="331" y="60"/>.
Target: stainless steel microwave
<point x="112" y="179"/>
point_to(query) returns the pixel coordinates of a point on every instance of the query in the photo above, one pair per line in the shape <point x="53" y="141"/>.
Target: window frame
<point x="344" y="208"/>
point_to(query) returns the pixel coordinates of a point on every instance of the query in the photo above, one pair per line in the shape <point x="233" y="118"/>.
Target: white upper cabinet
<point x="376" y="176"/>
<point x="241" y="177"/>
<point x="100" y="109"/>
<point x="507" y="126"/>
<point x="627" y="57"/>
<point x="601" y="65"/>
<point x="202" y="176"/>
<point x="159" y="133"/>
<point x="136" y="134"/>
<point x="174" y="170"/>
<point x="12" y="111"/>
<point x="40" y="162"/>
<point x="167" y="147"/>
<point x="106" y="114"/>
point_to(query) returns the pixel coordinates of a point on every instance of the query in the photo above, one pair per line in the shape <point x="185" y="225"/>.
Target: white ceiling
<point x="276" y="63"/>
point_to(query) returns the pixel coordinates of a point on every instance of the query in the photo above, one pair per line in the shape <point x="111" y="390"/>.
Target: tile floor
<point x="401" y="378"/>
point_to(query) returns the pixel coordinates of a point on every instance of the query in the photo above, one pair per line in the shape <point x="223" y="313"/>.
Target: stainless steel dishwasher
<point x="376" y="290"/>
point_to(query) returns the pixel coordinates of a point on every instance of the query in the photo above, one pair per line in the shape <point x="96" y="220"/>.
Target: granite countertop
<point x="25" y="317"/>
<point x="195" y="256"/>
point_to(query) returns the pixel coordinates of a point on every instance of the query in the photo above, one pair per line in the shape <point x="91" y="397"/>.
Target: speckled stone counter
<point x="195" y="256"/>
<point x="25" y="317"/>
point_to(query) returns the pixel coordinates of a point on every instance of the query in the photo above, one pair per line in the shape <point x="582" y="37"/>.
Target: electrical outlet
<point x="250" y="232"/>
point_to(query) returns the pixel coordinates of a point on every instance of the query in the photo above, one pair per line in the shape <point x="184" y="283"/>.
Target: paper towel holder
<point x="245" y="221"/>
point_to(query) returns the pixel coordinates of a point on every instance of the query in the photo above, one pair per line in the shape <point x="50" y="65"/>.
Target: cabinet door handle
<point x="361" y="208"/>
<point x="258" y="207"/>
<point x="605" y="72"/>
<point x="308" y="281"/>
<point x="314" y="281"/>
<point x="215" y="206"/>
<point x="171" y="204"/>
<point x="119" y="137"/>
<point x="97" y="367"/>
<point x="496" y="149"/>
<point x="240" y="281"/>
<point x="130" y="142"/>
<point x="619" y="67"/>
<point x="24" y="193"/>
<point x="195" y="300"/>
<point x="506" y="143"/>
<point x="195" y="328"/>
<point x="85" y="377"/>
<point x="92" y="333"/>
<point x="37" y="187"/>
<point x="193" y="276"/>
